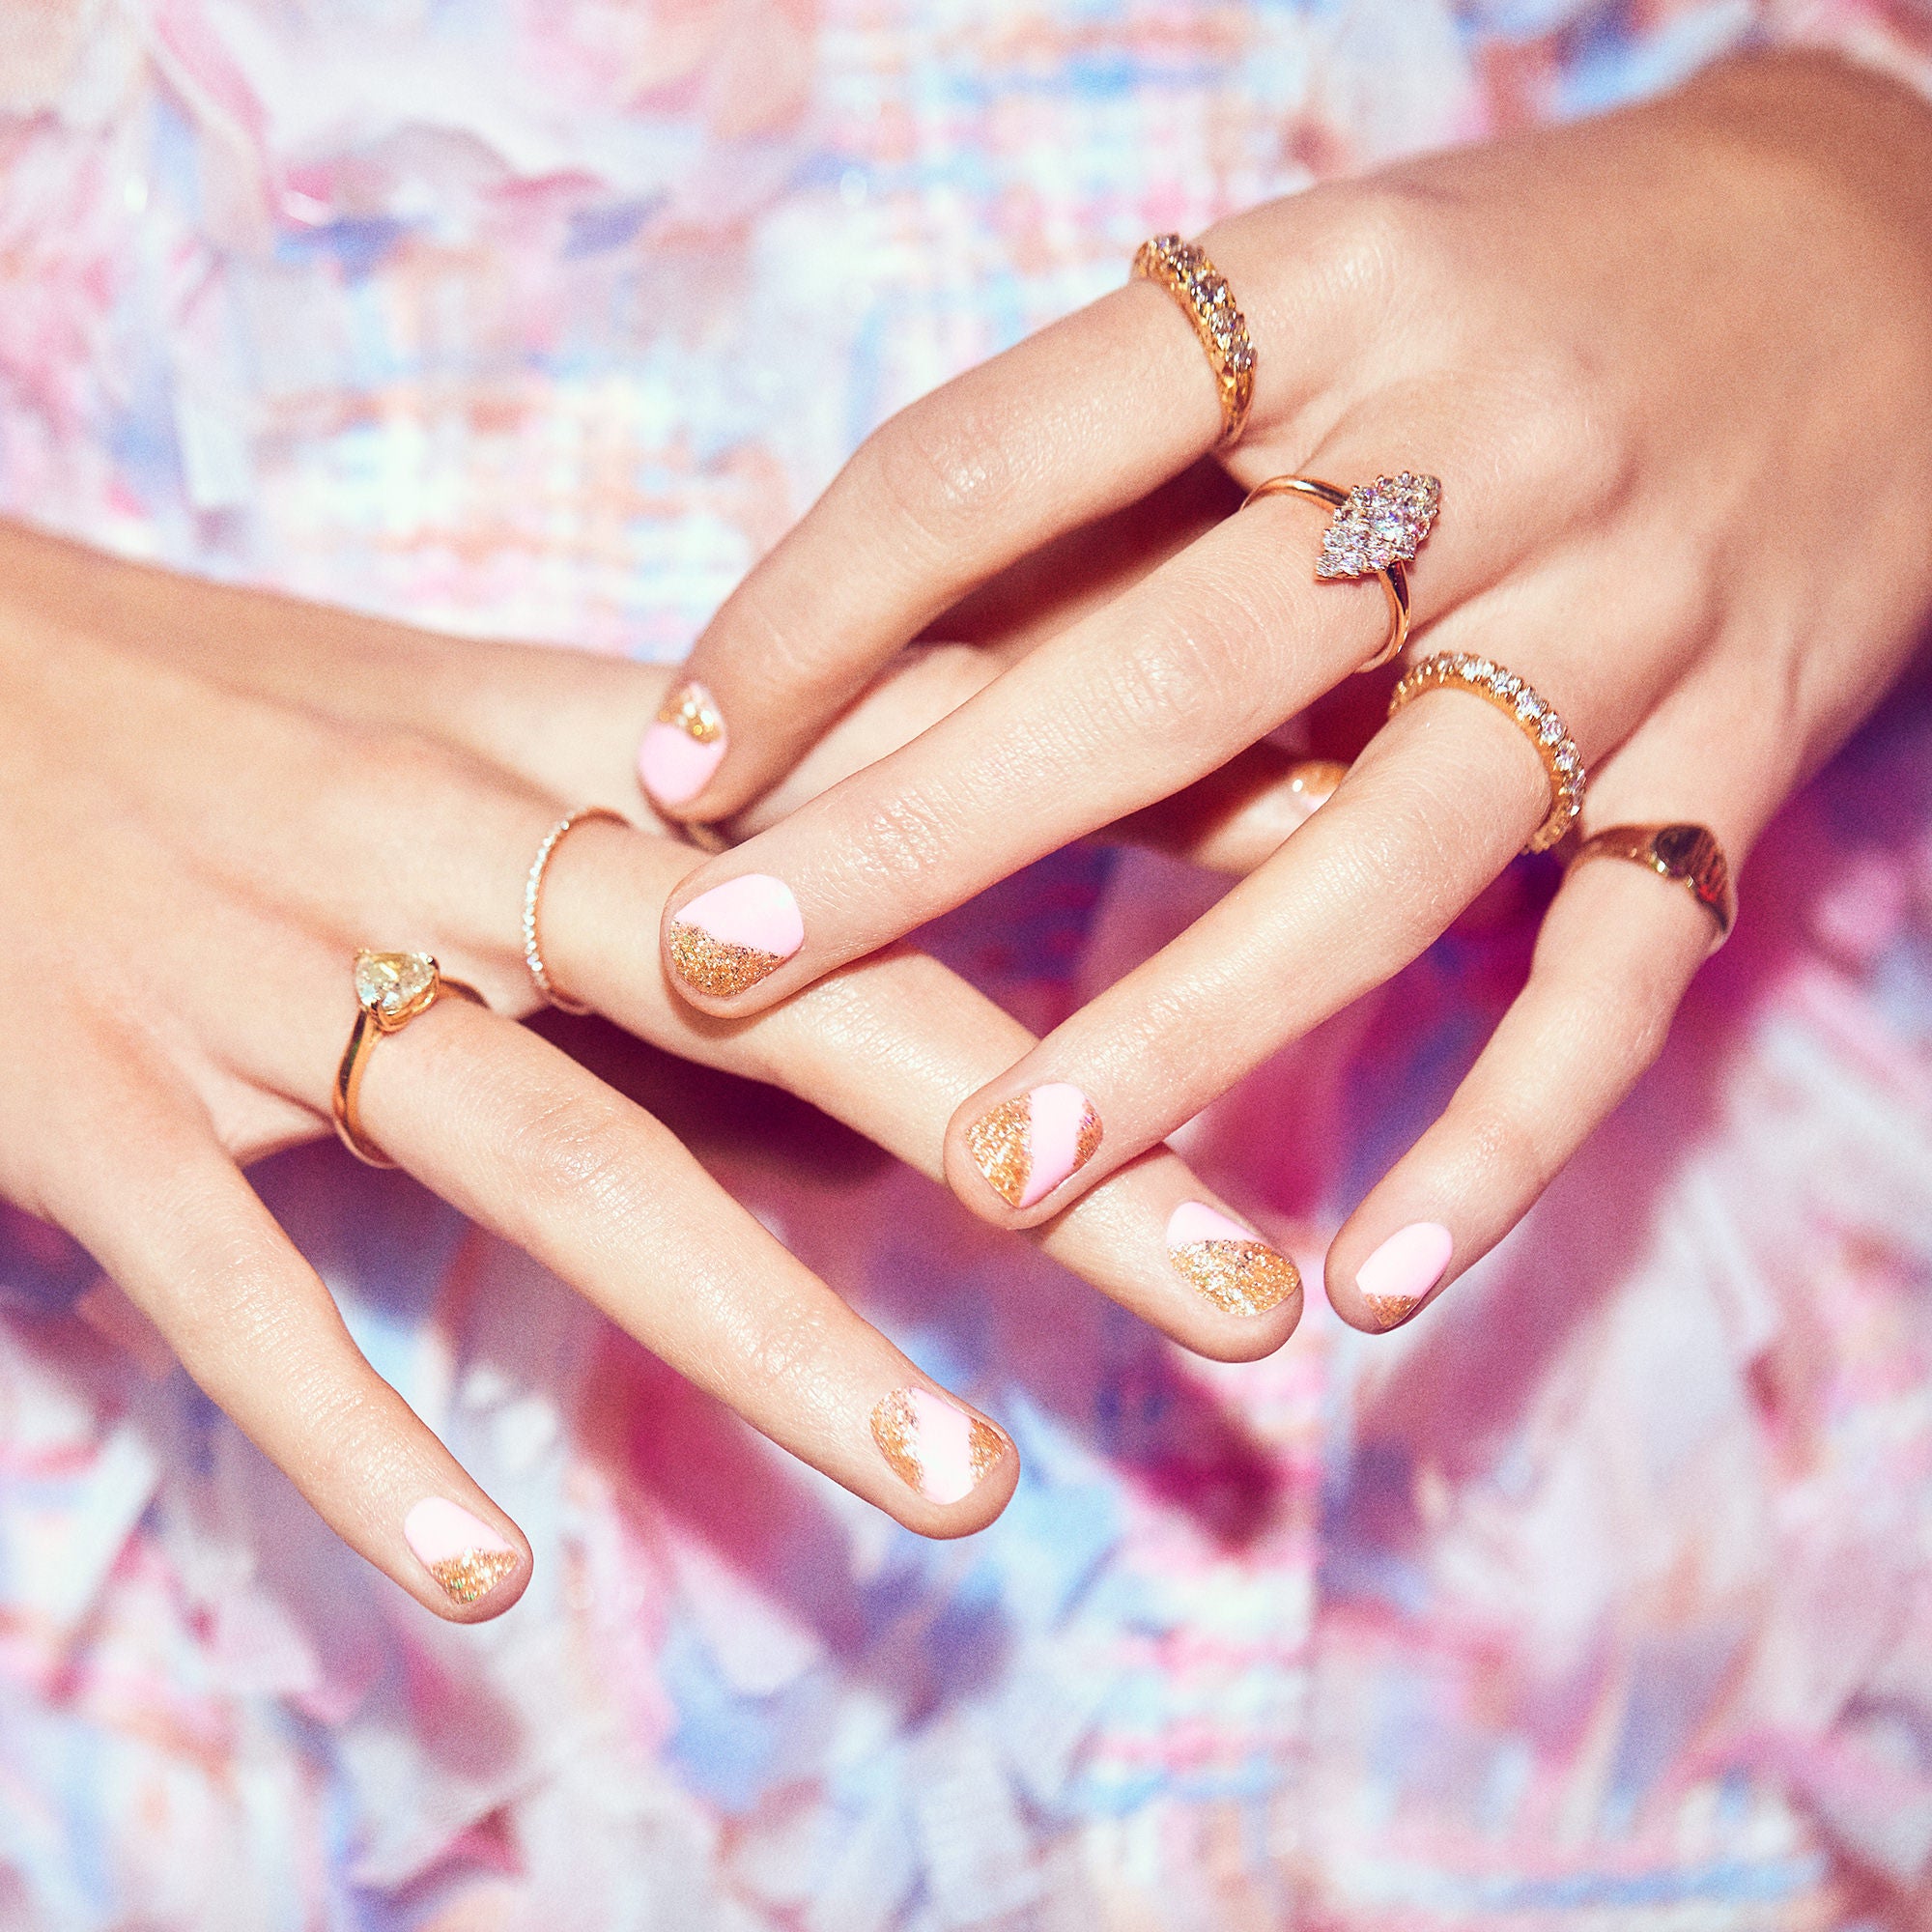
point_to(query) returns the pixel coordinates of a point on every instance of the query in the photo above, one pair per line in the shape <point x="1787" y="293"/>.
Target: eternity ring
<point x="1688" y="854"/>
<point x="391" y="988"/>
<point x="1535" y="719"/>
<point x="1377" y="528"/>
<point x="1208" y="303"/>
<point x="533" y="901"/>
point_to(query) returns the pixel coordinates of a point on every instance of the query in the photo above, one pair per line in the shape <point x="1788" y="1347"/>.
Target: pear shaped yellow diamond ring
<point x="391" y="989"/>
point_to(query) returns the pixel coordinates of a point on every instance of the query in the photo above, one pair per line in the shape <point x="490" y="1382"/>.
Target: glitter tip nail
<point x="683" y="746"/>
<point x="1396" y="1279"/>
<point x="464" y="1556"/>
<point x="726" y="940"/>
<point x="1231" y="1265"/>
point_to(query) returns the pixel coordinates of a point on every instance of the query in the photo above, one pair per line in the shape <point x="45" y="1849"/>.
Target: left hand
<point x="1674" y="368"/>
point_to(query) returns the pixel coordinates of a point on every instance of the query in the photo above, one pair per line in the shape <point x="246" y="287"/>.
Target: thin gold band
<point x="1204" y="298"/>
<point x="1395" y="577"/>
<point x="533" y="885"/>
<point x="391" y="989"/>
<point x="1533" y="716"/>
<point x="1690" y="855"/>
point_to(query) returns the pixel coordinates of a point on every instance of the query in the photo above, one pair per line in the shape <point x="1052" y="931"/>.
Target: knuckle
<point x="571" y="1155"/>
<point x="941" y="466"/>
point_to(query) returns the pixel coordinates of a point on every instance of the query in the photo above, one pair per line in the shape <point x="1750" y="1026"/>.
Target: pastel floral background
<point x="1602" y="1598"/>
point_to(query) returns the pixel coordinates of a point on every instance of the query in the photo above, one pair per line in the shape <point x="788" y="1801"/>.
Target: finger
<point x="171" y="1220"/>
<point x="531" y="1145"/>
<point x="1618" y="948"/>
<point x="1209" y="653"/>
<point x="1034" y="442"/>
<point x="1433" y="809"/>
<point x="890" y="1047"/>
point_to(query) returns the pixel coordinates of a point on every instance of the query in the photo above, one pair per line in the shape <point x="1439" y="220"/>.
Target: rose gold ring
<point x="391" y="989"/>
<point x="1533" y="716"/>
<point x="534" y="903"/>
<point x="1688" y="854"/>
<point x="1208" y="302"/>
<point x="1376" y="531"/>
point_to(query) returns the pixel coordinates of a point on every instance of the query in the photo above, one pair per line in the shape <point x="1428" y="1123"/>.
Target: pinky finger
<point x="168" y="1216"/>
<point x="1617" y="949"/>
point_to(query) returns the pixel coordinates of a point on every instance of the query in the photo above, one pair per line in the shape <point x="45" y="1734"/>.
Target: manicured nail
<point x="1395" y="1278"/>
<point x="940" y="1449"/>
<point x="1231" y="1265"/>
<point x="731" y="937"/>
<point x="463" y="1553"/>
<point x="1026" y="1148"/>
<point x="684" y="747"/>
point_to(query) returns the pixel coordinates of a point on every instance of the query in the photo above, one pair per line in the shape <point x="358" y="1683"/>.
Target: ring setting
<point x="1204" y="296"/>
<point x="1532" y="714"/>
<point x="1375" y="530"/>
<point x="1688" y="854"/>
<point x="391" y="989"/>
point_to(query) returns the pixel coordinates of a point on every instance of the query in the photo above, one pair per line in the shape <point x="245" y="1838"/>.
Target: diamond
<point x="395" y="986"/>
<point x="1380" y="524"/>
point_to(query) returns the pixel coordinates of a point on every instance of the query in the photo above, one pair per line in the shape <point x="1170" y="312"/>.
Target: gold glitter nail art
<point x="1391" y="1310"/>
<point x="474" y="1574"/>
<point x="997" y="1144"/>
<point x="897" y="1430"/>
<point x="690" y="708"/>
<point x="720" y="967"/>
<point x="1241" y="1277"/>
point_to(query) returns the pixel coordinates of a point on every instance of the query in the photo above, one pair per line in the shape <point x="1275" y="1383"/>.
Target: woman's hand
<point x="210" y="798"/>
<point x="1674" y="369"/>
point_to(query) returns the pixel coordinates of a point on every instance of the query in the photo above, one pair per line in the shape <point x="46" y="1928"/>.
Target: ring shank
<point x="346" y="1097"/>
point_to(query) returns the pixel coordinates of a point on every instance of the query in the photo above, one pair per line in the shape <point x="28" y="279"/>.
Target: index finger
<point x="1049" y="436"/>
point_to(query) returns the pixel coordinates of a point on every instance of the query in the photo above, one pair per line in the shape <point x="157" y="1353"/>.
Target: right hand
<point x="209" y="799"/>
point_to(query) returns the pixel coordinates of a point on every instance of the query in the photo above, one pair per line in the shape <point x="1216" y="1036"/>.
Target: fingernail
<point x="1395" y="1278"/>
<point x="684" y="747"/>
<point x="1231" y="1265"/>
<point x="942" y="1450"/>
<point x="1026" y="1148"/>
<point x="460" y="1550"/>
<point x="729" y="938"/>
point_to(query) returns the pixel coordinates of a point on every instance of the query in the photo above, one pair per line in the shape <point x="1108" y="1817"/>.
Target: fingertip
<point x="475" y="1570"/>
<point x="1250" y="1292"/>
<point x="960" y="1468"/>
<point x="1387" y="1286"/>
<point x="1007" y="1158"/>
<point x="682" y="749"/>
<point x="726" y="940"/>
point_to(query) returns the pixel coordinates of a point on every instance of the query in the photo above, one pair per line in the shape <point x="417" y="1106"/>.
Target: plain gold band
<point x="1689" y="855"/>
<point x="1395" y="578"/>
<point x="345" y="1100"/>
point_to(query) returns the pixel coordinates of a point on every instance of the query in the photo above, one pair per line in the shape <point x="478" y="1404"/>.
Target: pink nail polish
<point x="683" y="746"/>
<point x="1395" y="1278"/>
<point x="732" y="936"/>
<point x="940" y="1449"/>
<point x="460" y="1550"/>
<point x="1026" y="1148"/>
<point x="1231" y="1265"/>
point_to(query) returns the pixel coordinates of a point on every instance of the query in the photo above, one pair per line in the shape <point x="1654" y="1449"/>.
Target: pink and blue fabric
<point x="1603" y="1597"/>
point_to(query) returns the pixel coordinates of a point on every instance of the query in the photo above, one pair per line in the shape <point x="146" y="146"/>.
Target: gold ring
<point x="1688" y="854"/>
<point x="1376" y="531"/>
<point x="391" y="989"/>
<point x="533" y="899"/>
<point x="1208" y="303"/>
<point x="1531" y="715"/>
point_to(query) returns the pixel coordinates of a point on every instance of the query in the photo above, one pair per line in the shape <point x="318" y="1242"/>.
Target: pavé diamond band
<point x="1535" y="719"/>
<point x="534" y="885"/>
<point x="1374" y="531"/>
<point x="391" y="989"/>
<point x="1689" y="855"/>
<point x="1205" y="298"/>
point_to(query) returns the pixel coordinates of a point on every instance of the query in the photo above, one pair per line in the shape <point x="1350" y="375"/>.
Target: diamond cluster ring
<point x="1205" y="298"/>
<point x="1374" y="531"/>
<point x="1533" y="716"/>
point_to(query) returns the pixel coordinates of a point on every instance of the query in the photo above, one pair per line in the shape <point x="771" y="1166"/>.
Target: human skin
<point x="209" y="798"/>
<point x="1674" y="369"/>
